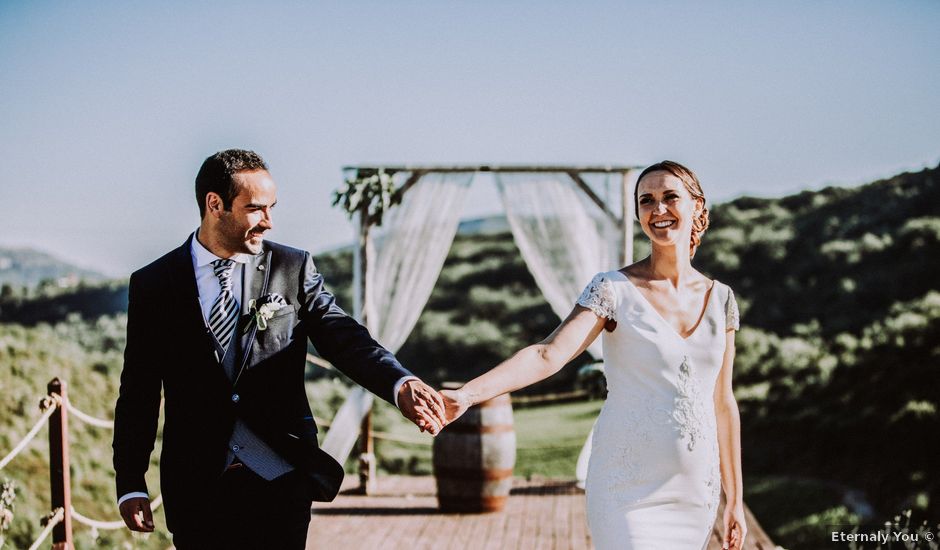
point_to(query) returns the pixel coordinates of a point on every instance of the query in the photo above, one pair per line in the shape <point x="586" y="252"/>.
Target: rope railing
<point x="109" y="525"/>
<point x="387" y="436"/>
<point x="75" y="514"/>
<point x="54" y="518"/>
<point x="48" y="405"/>
<point x="415" y="441"/>
<point x="57" y="522"/>
<point x="401" y="439"/>
<point x="548" y="447"/>
<point x="383" y="435"/>
<point x="87" y="418"/>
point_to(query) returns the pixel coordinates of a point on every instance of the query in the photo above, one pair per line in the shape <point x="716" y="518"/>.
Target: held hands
<point x="137" y="515"/>
<point x="422" y="405"/>
<point x="429" y="410"/>
<point x="735" y="527"/>
<point x="456" y="402"/>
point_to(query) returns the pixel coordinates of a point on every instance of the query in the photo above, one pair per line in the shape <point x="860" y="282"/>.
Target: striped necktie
<point x="224" y="313"/>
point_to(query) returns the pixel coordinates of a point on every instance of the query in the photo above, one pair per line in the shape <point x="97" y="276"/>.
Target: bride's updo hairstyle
<point x="687" y="177"/>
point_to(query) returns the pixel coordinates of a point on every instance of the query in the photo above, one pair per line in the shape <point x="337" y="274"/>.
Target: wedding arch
<point x="561" y="219"/>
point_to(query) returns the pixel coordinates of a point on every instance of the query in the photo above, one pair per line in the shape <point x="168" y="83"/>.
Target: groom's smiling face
<point x="242" y="228"/>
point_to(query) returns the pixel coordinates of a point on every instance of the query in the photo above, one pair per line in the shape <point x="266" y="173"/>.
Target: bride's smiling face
<point x="666" y="209"/>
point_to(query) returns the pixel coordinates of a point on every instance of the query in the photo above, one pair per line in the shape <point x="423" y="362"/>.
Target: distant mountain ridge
<point x="488" y="225"/>
<point x="28" y="267"/>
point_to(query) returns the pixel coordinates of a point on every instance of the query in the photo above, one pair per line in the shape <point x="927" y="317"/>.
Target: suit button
<point x="236" y="448"/>
<point x="235" y="398"/>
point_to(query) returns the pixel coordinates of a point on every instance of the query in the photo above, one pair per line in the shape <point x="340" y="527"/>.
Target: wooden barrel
<point x="474" y="458"/>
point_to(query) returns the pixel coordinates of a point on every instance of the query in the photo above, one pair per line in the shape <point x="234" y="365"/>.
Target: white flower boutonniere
<point x="263" y="308"/>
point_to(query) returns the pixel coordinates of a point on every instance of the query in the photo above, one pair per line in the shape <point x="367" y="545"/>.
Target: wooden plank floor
<point x="540" y="514"/>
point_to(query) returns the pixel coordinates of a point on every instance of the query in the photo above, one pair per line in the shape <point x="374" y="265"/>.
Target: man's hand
<point x="137" y="515"/>
<point x="422" y="405"/>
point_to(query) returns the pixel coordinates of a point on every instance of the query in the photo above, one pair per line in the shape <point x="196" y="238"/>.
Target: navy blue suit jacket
<point x="169" y="348"/>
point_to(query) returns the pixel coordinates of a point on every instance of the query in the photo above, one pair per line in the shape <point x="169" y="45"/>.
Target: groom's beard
<point x="256" y="238"/>
<point x="236" y="237"/>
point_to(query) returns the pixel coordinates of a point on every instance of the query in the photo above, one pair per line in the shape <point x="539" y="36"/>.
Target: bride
<point x="668" y="439"/>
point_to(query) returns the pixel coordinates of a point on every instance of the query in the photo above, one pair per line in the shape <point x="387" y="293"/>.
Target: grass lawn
<point x="548" y="440"/>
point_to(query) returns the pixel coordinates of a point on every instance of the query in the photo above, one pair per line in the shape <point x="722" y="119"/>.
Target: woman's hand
<point x="456" y="402"/>
<point x="735" y="527"/>
<point x="529" y="365"/>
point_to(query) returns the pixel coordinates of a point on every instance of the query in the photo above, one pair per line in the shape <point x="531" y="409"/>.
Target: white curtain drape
<point x="409" y="251"/>
<point x="403" y="262"/>
<point x="564" y="237"/>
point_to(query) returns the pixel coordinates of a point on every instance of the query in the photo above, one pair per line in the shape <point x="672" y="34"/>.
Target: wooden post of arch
<point x="361" y="309"/>
<point x="626" y="219"/>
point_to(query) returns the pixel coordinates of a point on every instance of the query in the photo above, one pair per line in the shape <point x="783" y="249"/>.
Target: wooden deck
<point x="540" y="514"/>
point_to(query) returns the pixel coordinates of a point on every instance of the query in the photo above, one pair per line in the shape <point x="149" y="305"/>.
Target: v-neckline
<point x="698" y="323"/>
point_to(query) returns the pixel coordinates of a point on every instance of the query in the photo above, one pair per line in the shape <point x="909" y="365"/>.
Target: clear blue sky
<point x="108" y="108"/>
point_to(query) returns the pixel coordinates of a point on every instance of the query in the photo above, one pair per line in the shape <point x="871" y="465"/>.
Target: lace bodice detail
<point x="599" y="296"/>
<point x="732" y="317"/>
<point x="690" y="412"/>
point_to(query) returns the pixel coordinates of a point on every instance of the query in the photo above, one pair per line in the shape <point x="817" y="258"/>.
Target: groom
<point x="220" y="326"/>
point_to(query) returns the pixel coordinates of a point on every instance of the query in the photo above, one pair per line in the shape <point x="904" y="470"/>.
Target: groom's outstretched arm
<point x="345" y="343"/>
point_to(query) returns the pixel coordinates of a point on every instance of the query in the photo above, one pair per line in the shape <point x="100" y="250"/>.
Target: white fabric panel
<point x="344" y="428"/>
<point x="403" y="262"/>
<point x="408" y="253"/>
<point x="564" y="237"/>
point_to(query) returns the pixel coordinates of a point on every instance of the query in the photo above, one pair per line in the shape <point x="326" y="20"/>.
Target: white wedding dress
<point x="653" y="480"/>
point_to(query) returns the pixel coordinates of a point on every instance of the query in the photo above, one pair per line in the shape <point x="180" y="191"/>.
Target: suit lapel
<point x="183" y="286"/>
<point x="254" y="285"/>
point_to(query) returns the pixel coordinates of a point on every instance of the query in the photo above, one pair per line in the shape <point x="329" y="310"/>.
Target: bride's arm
<point x="729" y="447"/>
<point x="530" y="364"/>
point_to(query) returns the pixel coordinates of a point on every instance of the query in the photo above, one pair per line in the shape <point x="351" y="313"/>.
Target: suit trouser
<point x="245" y="511"/>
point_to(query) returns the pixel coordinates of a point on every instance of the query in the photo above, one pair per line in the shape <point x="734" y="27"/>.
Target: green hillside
<point x="49" y="304"/>
<point x="842" y="257"/>
<point x="27" y="267"/>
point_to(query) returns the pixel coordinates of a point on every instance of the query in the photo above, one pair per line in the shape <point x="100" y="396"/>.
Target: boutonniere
<point x="262" y="309"/>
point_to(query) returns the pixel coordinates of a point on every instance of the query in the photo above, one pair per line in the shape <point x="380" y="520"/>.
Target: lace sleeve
<point x="732" y="317"/>
<point x="599" y="297"/>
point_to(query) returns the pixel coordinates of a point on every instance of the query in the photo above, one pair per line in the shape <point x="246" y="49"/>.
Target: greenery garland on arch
<point x="376" y="192"/>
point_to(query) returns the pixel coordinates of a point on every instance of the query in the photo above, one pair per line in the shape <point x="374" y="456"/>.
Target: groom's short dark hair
<point x="216" y="175"/>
